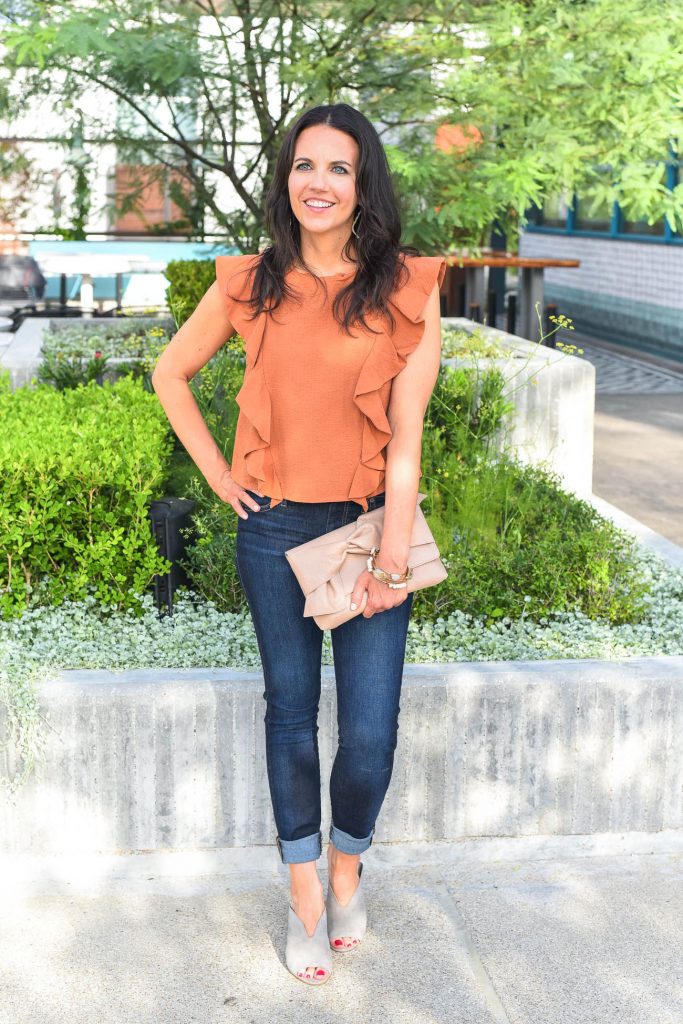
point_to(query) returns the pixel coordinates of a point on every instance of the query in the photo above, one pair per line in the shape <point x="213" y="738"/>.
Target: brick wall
<point x="630" y="293"/>
<point x="154" y="203"/>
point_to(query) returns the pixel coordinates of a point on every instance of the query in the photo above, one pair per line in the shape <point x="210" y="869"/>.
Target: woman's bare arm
<point x="199" y="338"/>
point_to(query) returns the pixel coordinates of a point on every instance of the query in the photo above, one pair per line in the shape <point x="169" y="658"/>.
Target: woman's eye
<point x="306" y="164"/>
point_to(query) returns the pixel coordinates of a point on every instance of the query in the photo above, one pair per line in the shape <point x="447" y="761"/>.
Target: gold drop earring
<point x="353" y="226"/>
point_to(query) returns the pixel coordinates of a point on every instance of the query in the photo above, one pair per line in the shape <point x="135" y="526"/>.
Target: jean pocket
<point x="262" y="500"/>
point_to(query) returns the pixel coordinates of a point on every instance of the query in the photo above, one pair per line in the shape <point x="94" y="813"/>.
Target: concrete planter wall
<point x="554" y="396"/>
<point x="153" y="760"/>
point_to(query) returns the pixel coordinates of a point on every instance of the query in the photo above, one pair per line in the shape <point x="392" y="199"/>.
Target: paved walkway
<point x="557" y="930"/>
<point x="617" y="373"/>
<point x="638" y="440"/>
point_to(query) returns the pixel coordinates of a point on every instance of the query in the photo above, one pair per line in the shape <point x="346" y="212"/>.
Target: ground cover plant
<point x="76" y="353"/>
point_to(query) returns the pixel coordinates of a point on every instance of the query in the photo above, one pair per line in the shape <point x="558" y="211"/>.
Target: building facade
<point x="629" y="287"/>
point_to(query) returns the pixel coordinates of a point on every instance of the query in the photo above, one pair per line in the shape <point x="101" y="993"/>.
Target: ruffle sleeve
<point x="386" y="359"/>
<point x="234" y="282"/>
<point x="410" y="301"/>
<point x="253" y="429"/>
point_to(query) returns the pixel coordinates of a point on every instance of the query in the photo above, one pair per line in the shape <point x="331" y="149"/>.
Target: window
<point x="584" y="216"/>
<point x="641" y="227"/>
<point x="592" y="216"/>
<point x="552" y="214"/>
<point x="555" y="209"/>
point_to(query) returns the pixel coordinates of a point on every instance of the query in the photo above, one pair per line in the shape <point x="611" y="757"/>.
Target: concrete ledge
<point x="552" y="422"/>
<point x="175" y="759"/>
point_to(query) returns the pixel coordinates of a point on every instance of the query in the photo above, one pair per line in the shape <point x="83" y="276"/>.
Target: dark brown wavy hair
<point x="380" y="269"/>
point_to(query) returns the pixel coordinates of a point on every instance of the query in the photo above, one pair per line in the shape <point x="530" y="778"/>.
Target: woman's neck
<point x="326" y="264"/>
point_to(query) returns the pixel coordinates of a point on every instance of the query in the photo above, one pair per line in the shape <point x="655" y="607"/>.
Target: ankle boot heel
<point x="348" y="920"/>
<point x="304" y="950"/>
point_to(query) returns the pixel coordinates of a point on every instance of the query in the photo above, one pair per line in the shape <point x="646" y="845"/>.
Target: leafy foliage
<point x="188" y="281"/>
<point x="79" y="468"/>
<point x="548" y="96"/>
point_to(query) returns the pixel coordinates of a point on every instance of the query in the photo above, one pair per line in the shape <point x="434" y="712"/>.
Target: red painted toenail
<point x="319" y="972"/>
<point x="338" y="942"/>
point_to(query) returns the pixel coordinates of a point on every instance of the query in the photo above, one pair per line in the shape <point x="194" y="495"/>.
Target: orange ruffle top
<point x="313" y="403"/>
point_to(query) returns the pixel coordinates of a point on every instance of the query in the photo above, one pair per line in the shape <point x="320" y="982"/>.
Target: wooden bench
<point x="476" y="284"/>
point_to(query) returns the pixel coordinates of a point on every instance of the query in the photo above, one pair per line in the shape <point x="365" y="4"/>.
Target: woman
<point x="342" y="332"/>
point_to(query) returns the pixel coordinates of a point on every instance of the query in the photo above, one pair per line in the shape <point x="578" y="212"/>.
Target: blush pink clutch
<point x="328" y="566"/>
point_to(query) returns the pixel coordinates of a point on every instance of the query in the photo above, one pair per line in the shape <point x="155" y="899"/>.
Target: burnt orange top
<point x="312" y="424"/>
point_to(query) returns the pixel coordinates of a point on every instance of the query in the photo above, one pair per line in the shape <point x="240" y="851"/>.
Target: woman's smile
<point x="318" y="205"/>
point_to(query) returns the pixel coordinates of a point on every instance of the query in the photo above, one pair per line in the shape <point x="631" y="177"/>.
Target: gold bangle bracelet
<point x="399" y="578"/>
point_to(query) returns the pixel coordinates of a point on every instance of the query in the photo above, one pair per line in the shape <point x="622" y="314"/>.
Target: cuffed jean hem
<point x="349" y="844"/>
<point x="297" y="851"/>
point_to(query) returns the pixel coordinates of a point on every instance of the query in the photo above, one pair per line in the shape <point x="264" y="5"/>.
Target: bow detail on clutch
<point x="328" y="566"/>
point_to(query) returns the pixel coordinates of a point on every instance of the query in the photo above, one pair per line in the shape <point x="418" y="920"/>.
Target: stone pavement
<point x="638" y="434"/>
<point x="638" y="458"/>
<point x="620" y="372"/>
<point x="531" y="930"/>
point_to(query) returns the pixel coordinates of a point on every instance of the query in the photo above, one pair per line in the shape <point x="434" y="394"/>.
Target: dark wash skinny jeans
<point x="368" y="660"/>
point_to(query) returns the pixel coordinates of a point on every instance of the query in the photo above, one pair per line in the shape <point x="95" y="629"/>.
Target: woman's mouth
<point x="318" y="205"/>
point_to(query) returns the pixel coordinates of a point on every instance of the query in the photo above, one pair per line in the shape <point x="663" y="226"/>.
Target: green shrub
<point x="467" y="408"/>
<point x="456" y="341"/>
<point x="78" y="469"/>
<point x="515" y="543"/>
<point x="189" y="280"/>
<point x="210" y="561"/>
<point x="69" y="371"/>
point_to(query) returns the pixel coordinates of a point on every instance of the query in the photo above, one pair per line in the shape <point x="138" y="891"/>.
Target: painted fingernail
<point x="353" y="607"/>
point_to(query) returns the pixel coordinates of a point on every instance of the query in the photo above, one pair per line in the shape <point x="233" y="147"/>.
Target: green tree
<point x="552" y="93"/>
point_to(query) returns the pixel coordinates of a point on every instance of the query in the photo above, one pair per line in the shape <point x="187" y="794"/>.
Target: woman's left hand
<point x="381" y="597"/>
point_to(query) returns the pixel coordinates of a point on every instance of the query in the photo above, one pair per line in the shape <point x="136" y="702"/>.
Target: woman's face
<point x="324" y="167"/>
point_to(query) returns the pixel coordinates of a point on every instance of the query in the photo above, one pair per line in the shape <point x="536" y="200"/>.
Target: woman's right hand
<point x="232" y="493"/>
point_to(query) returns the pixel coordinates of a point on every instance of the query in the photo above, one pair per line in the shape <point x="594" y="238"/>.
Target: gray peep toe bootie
<point x="350" y="919"/>
<point x="304" y="950"/>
